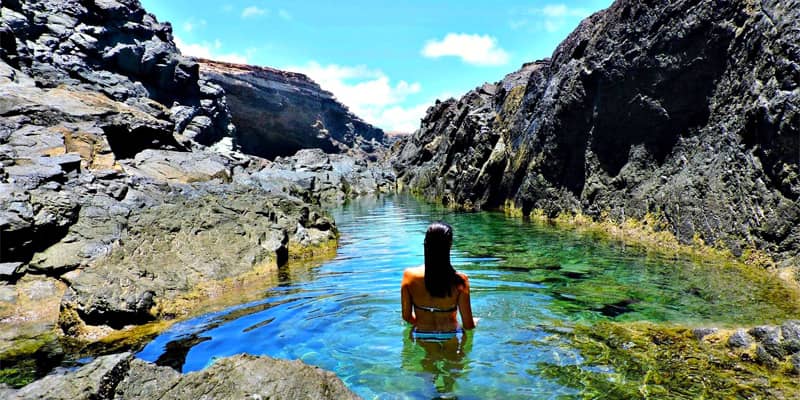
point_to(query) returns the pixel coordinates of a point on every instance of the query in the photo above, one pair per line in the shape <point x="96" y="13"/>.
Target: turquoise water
<point x="530" y="283"/>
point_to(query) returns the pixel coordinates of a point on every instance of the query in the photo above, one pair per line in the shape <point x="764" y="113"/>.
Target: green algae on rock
<point x="648" y="361"/>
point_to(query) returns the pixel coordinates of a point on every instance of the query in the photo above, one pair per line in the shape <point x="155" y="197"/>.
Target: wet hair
<point x="440" y="276"/>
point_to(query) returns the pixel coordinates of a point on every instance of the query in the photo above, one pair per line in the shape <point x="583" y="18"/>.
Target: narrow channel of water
<point x="528" y="281"/>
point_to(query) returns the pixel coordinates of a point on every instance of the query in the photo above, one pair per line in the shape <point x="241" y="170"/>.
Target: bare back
<point x="434" y="314"/>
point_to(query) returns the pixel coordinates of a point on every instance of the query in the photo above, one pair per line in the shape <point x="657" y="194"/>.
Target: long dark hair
<point x="440" y="276"/>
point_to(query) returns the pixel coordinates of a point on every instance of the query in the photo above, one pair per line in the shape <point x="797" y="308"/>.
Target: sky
<point x="388" y="61"/>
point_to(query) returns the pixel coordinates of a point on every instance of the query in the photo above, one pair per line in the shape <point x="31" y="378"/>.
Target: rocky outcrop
<point x="122" y="376"/>
<point x="114" y="48"/>
<point x="320" y="178"/>
<point x="123" y="198"/>
<point x="277" y="113"/>
<point x="687" y="110"/>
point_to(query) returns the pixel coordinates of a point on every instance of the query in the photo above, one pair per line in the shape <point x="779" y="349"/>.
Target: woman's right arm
<point x="465" y="306"/>
<point x="405" y="299"/>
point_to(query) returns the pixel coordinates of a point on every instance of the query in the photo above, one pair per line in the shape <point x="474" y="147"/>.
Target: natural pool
<point x="529" y="283"/>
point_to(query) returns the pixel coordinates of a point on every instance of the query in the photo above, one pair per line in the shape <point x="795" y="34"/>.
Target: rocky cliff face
<point x="117" y="49"/>
<point x="123" y="199"/>
<point x="687" y="109"/>
<point x="278" y="113"/>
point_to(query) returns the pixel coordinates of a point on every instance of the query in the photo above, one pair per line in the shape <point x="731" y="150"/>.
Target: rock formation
<point x="122" y="376"/>
<point x="277" y="113"/>
<point x="688" y="110"/>
<point x="122" y="193"/>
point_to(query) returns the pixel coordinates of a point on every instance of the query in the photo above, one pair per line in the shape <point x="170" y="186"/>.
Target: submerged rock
<point x="121" y="376"/>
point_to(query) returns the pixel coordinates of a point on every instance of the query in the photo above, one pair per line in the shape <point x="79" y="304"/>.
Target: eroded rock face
<point x="278" y="113"/>
<point x="687" y="109"/>
<point x="122" y="192"/>
<point x="320" y="178"/>
<point x="121" y="376"/>
<point x="115" y="48"/>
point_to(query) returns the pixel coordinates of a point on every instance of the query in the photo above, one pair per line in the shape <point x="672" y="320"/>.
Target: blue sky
<point x="386" y="60"/>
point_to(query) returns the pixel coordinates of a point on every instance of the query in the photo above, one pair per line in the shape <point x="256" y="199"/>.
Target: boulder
<point x="121" y="376"/>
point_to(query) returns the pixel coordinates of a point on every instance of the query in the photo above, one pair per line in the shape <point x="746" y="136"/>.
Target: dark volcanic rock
<point x="740" y="339"/>
<point x="121" y="376"/>
<point x="113" y="47"/>
<point x="122" y="193"/>
<point x="687" y="109"/>
<point x="321" y="178"/>
<point x="278" y="113"/>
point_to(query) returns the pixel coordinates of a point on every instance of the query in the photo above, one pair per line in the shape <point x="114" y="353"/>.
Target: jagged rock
<point x="122" y="191"/>
<point x="322" y="178"/>
<point x="121" y="376"/>
<point x="700" y="333"/>
<point x="740" y="339"/>
<point x="684" y="109"/>
<point x="764" y="357"/>
<point x="10" y="271"/>
<point x="278" y="113"/>
<point x="790" y="330"/>
<point x="169" y="249"/>
<point x="795" y="360"/>
<point x="182" y="167"/>
<point x="96" y="380"/>
<point x="111" y="47"/>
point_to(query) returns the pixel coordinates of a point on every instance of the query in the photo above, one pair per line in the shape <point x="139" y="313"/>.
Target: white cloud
<point x="551" y="18"/>
<point x="561" y="11"/>
<point x="192" y="25"/>
<point x="369" y="93"/>
<point x="209" y="50"/>
<point x="284" y="15"/>
<point x="253" y="11"/>
<point x="472" y="49"/>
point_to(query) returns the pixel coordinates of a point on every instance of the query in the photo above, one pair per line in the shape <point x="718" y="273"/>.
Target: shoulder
<point x="465" y="279"/>
<point x="413" y="273"/>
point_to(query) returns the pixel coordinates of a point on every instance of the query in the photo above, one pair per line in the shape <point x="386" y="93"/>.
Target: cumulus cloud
<point x="369" y="93"/>
<point x="472" y="49"/>
<point x="208" y="50"/>
<point x="253" y="11"/>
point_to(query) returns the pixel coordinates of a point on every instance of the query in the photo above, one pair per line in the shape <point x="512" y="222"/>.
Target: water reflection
<point x="441" y="362"/>
<point x="344" y="315"/>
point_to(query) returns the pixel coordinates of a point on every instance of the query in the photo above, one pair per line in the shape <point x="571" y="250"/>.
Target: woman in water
<point x="432" y="293"/>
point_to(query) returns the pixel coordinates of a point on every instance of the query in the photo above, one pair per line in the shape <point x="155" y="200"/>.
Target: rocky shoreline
<point x="133" y="190"/>
<point x="122" y="376"/>
<point x="125" y="196"/>
<point x="683" y="111"/>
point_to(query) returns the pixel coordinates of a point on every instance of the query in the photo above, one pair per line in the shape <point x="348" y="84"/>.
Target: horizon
<point x="388" y="82"/>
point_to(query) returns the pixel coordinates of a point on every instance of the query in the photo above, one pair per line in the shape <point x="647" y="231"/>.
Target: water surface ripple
<point x="528" y="282"/>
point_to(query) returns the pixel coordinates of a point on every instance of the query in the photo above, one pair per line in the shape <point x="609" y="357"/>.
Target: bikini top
<point x="434" y="309"/>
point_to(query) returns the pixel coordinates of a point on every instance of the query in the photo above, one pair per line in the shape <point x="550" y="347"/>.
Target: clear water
<point x="528" y="281"/>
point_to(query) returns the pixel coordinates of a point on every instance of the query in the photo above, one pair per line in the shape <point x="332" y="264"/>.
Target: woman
<point x="431" y="294"/>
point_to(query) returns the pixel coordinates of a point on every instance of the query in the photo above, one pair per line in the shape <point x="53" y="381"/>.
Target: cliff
<point x="686" y="110"/>
<point x="123" y="197"/>
<point x="277" y="113"/>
